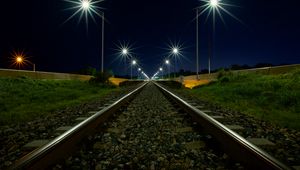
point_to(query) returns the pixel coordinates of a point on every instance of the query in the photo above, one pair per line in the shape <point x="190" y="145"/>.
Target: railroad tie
<point x="260" y="142"/>
<point x="35" y="144"/>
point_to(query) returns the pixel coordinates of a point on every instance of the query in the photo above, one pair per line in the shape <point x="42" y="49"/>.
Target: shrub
<point x="100" y="77"/>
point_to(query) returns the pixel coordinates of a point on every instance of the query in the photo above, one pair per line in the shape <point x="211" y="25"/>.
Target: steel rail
<point x="65" y="144"/>
<point x="232" y="143"/>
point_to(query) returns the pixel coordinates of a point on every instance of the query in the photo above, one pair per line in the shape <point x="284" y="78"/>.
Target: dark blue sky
<point x="270" y="34"/>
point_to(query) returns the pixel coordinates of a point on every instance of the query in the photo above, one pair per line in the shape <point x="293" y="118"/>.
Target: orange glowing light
<point x="19" y="59"/>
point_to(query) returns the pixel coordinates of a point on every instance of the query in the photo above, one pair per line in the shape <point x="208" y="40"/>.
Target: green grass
<point x="274" y="98"/>
<point x="22" y="99"/>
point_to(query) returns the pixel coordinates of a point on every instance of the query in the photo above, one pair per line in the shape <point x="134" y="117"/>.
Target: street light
<point x="131" y="65"/>
<point x="168" y="64"/>
<point x="139" y="73"/>
<point x="197" y="43"/>
<point x="161" y="70"/>
<point x="214" y="7"/>
<point x="88" y="8"/>
<point x="175" y="52"/>
<point x="20" y="59"/>
<point x="85" y="4"/>
<point x="124" y="51"/>
<point x="214" y="3"/>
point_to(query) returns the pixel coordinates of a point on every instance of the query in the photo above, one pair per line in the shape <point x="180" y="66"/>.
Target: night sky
<point x="270" y="33"/>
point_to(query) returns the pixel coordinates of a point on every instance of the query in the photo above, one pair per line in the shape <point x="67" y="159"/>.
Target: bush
<point x="100" y="77"/>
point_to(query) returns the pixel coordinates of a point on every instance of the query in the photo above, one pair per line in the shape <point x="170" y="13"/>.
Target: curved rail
<point x="64" y="145"/>
<point x="235" y="145"/>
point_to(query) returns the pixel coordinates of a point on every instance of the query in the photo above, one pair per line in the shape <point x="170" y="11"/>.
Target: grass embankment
<point x="274" y="98"/>
<point x="22" y="99"/>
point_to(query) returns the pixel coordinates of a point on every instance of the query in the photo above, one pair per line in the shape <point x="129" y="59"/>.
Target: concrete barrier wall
<point x="42" y="75"/>
<point x="265" y="70"/>
<point x="192" y="81"/>
<point x="52" y="76"/>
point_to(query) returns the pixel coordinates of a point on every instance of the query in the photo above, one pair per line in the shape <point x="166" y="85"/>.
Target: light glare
<point x="85" y="4"/>
<point x="124" y="51"/>
<point x="19" y="59"/>
<point x="214" y="3"/>
<point x="85" y="9"/>
<point x="175" y="50"/>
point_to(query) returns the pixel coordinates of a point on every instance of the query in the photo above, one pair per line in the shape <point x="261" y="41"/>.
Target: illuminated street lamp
<point x="197" y="43"/>
<point x="88" y="8"/>
<point x="214" y="3"/>
<point x="139" y="73"/>
<point x="133" y="63"/>
<point x="161" y="70"/>
<point x="214" y="8"/>
<point x="175" y="52"/>
<point x="124" y="51"/>
<point x="20" y="60"/>
<point x="168" y="64"/>
<point x="85" y="4"/>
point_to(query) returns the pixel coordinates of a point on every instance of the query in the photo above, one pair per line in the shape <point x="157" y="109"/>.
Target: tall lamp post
<point x="102" y="54"/>
<point x="87" y="8"/>
<point x="125" y="53"/>
<point x="132" y="64"/>
<point x="175" y="52"/>
<point x="139" y="76"/>
<point x="168" y="64"/>
<point x="161" y="70"/>
<point x="197" y="43"/>
<point x="214" y="7"/>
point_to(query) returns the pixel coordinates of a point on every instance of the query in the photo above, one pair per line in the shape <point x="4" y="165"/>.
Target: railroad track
<point x="149" y="128"/>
